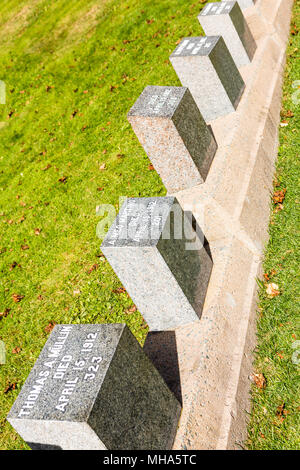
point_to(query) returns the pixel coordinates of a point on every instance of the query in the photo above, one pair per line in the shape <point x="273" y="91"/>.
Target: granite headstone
<point x="94" y="388"/>
<point x="174" y="135"/>
<point x="206" y="67"/>
<point x="160" y="258"/>
<point x="227" y="19"/>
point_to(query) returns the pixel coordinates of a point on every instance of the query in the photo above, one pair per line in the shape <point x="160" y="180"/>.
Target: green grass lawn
<point x="72" y="71"/>
<point x="275" y="421"/>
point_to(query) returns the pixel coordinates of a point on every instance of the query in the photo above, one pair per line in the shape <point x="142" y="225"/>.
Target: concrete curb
<point x="232" y="208"/>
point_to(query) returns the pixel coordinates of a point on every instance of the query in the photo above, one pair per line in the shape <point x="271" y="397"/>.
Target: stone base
<point x="232" y="208"/>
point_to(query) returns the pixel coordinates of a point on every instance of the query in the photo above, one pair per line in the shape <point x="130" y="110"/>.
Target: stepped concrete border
<point x="232" y="208"/>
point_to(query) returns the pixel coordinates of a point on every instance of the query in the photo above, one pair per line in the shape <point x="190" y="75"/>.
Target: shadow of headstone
<point x="161" y="348"/>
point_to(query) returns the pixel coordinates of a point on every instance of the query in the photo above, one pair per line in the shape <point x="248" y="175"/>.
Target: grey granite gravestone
<point x="159" y="257"/>
<point x="205" y="66"/>
<point x="174" y="135"/>
<point x="246" y="3"/>
<point x="93" y="387"/>
<point x="227" y="19"/>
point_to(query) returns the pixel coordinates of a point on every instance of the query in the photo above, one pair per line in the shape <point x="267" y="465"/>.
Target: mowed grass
<point x="275" y="420"/>
<point x="72" y="71"/>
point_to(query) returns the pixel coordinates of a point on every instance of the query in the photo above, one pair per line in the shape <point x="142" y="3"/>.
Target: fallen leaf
<point x="131" y="309"/>
<point x="24" y="247"/>
<point x="295" y="30"/>
<point x="93" y="268"/>
<point x="272" y="290"/>
<point x="278" y="196"/>
<point x="17" y="297"/>
<point x="5" y="313"/>
<point x="63" y="179"/>
<point x="102" y="167"/>
<point x="46" y="167"/>
<point x="259" y="381"/>
<point x="279" y="410"/>
<point x="16" y="350"/>
<point x="289" y="114"/>
<point x="119" y="290"/>
<point x="278" y="208"/>
<point x="10" y="387"/>
<point x="49" y="327"/>
<point x="13" y="265"/>
<point x="268" y="276"/>
<point x="150" y="167"/>
<point x="37" y="231"/>
<point x="100" y="189"/>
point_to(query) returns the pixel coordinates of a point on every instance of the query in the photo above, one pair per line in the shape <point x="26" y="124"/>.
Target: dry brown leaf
<point x="119" y="290"/>
<point x="49" y="327"/>
<point x="279" y="410"/>
<point x="46" y="167"/>
<point x="16" y="350"/>
<point x="93" y="268"/>
<point x="63" y="179"/>
<point x="272" y="290"/>
<point x="17" y="297"/>
<point x="260" y="381"/>
<point x="14" y="265"/>
<point x="278" y="196"/>
<point x="131" y="309"/>
<point x="5" y="313"/>
<point x="10" y="387"/>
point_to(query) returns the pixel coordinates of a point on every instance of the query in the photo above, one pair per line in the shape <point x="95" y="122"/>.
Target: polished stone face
<point x="213" y="9"/>
<point x="158" y="101"/>
<point x="148" y="247"/>
<point x="227" y="19"/>
<point x="210" y="74"/>
<point x="174" y="135"/>
<point x="200" y="46"/>
<point x="92" y="387"/>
